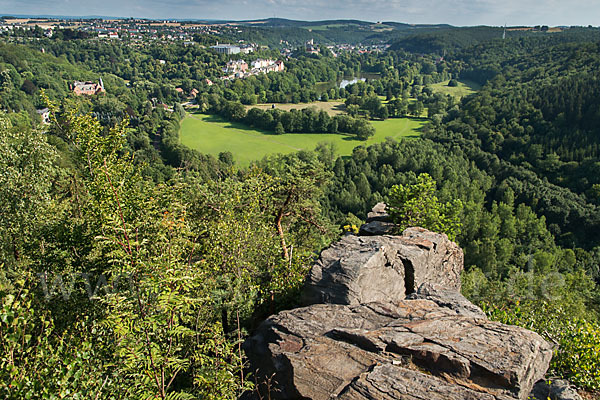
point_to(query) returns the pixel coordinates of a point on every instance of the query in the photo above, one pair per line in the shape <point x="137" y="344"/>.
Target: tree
<point x="418" y="205"/>
<point x="156" y="345"/>
<point x="382" y="112"/>
<point x="352" y="109"/>
<point x="226" y="157"/>
<point x="363" y="129"/>
<point x="300" y="180"/>
<point x="279" y="128"/>
<point x="29" y="170"/>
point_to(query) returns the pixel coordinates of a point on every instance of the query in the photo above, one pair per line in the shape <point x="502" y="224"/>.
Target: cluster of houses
<point x="311" y="48"/>
<point x="87" y="88"/>
<point x="134" y="29"/>
<point x="240" y="69"/>
<point x="360" y="49"/>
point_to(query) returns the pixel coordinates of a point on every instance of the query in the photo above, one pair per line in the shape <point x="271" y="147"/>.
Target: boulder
<point x="385" y="320"/>
<point x="554" y="389"/>
<point x="379" y="213"/>
<point x="363" y="269"/>
<point x="357" y="270"/>
<point x="374" y="228"/>
<point x="409" y="349"/>
<point x="378" y="222"/>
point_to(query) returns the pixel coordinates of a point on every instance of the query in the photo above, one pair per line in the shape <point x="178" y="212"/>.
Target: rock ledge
<point x="386" y="320"/>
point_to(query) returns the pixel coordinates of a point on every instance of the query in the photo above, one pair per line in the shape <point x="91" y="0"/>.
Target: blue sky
<point x="456" y="12"/>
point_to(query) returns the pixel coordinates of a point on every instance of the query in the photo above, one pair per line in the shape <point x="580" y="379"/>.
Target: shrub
<point x="577" y="355"/>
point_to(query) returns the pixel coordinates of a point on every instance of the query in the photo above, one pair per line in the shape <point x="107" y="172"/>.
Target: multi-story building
<point x="87" y="88"/>
<point x="226" y="49"/>
<point x="236" y="66"/>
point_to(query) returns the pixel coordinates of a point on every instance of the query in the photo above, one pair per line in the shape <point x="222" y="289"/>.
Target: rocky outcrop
<point x="386" y="320"/>
<point x="379" y="213"/>
<point x="554" y="389"/>
<point x="378" y="222"/>
<point x="375" y="228"/>
<point x="410" y="349"/>
<point x="362" y="269"/>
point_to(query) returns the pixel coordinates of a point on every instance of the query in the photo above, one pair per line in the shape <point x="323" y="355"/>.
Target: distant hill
<point x="338" y="30"/>
<point x="290" y="23"/>
<point x="402" y="25"/>
<point x="450" y="38"/>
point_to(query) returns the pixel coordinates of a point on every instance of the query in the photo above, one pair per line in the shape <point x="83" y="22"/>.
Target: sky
<point x="454" y="12"/>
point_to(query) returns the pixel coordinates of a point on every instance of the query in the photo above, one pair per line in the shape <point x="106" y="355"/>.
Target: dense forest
<point x="134" y="267"/>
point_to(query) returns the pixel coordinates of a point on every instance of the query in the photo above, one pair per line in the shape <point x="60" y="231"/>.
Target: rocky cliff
<point x="384" y="319"/>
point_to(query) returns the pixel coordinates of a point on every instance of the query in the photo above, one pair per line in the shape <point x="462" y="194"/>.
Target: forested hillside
<point x="134" y="267"/>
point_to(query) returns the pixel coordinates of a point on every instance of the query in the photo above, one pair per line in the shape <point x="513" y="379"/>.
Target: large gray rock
<point x="376" y="337"/>
<point x="410" y="349"/>
<point x="554" y="389"/>
<point x="379" y="213"/>
<point x="450" y="299"/>
<point x="378" y="222"/>
<point x="357" y="270"/>
<point x="374" y="228"/>
<point x="363" y="269"/>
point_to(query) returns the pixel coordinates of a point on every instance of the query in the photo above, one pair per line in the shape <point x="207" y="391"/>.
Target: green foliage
<point x="556" y="305"/>
<point x="417" y="205"/>
<point x="39" y="361"/>
<point x="196" y="253"/>
<point x="532" y="127"/>
<point x="279" y="130"/>
<point x="577" y="355"/>
<point x="28" y="169"/>
<point x="190" y="266"/>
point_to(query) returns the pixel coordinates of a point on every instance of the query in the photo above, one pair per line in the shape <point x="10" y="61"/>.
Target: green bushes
<point x="555" y="305"/>
<point x="577" y="355"/>
<point x="184" y="270"/>
<point x="418" y="205"/>
<point x="38" y="361"/>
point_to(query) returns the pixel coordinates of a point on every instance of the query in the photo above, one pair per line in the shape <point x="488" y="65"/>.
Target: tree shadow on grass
<point x="235" y="125"/>
<point x="339" y="107"/>
<point x="352" y="138"/>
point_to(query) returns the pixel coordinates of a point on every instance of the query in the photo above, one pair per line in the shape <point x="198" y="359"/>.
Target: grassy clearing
<point x="464" y="88"/>
<point x="211" y="134"/>
<point x="332" y="107"/>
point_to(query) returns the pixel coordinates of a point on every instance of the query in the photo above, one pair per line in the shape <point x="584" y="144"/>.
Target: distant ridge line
<point x="264" y="21"/>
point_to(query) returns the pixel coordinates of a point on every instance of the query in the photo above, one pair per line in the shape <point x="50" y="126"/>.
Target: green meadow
<point x="464" y="88"/>
<point x="212" y="134"/>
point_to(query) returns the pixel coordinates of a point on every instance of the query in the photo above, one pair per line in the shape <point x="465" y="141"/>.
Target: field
<point x="211" y="134"/>
<point x="332" y="107"/>
<point x="464" y="88"/>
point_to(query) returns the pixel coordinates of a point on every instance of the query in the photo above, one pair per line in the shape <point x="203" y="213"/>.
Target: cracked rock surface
<point x="362" y="269"/>
<point x="411" y="349"/>
<point x="385" y="320"/>
<point x="554" y="389"/>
